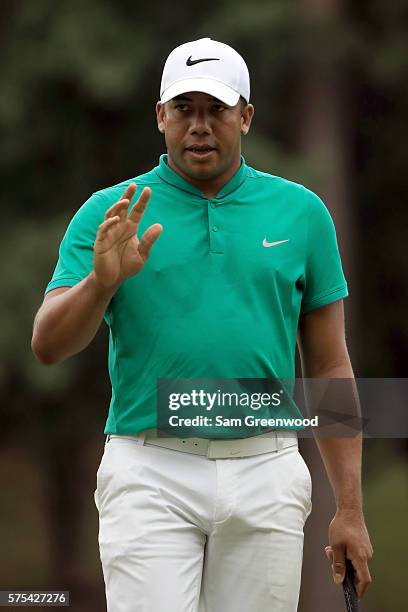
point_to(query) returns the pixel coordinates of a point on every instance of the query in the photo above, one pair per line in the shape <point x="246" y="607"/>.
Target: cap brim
<point x="214" y="88"/>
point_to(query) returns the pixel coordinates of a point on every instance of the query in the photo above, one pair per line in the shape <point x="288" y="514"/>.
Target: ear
<point x="161" y="116"/>
<point x="246" y="119"/>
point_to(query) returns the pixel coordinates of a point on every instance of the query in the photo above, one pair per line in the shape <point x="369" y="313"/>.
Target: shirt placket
<point x="216" y="231"/>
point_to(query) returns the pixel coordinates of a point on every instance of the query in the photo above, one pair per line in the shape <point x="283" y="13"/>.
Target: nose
<point x="200" y="123"/>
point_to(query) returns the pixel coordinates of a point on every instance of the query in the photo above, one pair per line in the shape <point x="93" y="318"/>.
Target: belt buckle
<point x="223" y="453"/>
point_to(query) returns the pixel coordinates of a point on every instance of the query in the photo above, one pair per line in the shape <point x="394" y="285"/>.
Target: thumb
<point x="339" y="564"/>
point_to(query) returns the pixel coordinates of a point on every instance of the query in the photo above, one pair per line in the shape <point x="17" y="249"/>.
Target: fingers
<point x="138" y="209"/>
<point x="363" y="576"/>
<point x="148" y="239"/>
<point x="329" y="554"/>
<point x="120" y="207"/>
<point x="129" y="192"/>
<point x="106" y="235"/>
<point x="338" y="563"/>
<point x="105" y="227"/>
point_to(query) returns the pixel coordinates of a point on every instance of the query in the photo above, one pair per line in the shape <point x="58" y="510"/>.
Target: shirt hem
<point x="69" y="281"/>
<point x="325" y="299"/>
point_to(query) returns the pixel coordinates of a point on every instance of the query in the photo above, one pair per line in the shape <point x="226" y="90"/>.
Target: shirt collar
<point x="168" y="175"/>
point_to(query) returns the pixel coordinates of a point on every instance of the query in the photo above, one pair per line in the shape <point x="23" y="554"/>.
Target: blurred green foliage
<point x="78" y="89"/>
<point x="79" y="84"/>
<point x="386" y="509"/>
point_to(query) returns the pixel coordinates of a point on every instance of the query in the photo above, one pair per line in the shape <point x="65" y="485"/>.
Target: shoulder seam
<point x="267" y="176"/>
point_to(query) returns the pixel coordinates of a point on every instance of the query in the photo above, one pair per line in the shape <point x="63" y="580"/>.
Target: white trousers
<point x="183" y="533"/>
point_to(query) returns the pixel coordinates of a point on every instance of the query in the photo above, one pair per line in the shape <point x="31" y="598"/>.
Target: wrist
<point x="101" y="291"/>
<point x="349" y="508"/>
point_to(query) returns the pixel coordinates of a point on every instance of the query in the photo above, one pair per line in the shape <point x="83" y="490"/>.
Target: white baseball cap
<point x="207" y="66"/>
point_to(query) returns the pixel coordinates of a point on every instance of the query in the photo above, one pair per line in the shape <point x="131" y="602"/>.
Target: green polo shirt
<point x="222" y="291"/>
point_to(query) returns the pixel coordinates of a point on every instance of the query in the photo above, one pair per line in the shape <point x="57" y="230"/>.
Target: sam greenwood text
<point x="248" y="421"/>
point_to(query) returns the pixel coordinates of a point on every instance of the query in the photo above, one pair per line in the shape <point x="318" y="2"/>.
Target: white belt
<point x="219" y="449"/>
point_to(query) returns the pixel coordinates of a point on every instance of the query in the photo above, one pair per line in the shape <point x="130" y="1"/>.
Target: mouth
<point x="200" y="151"/>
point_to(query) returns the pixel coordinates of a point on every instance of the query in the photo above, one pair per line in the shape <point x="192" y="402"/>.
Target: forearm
<point x="331" y="394"/>
<point x="342" y="460"/>
<point x="66" y="323"/>
<point x="342" y="456"/>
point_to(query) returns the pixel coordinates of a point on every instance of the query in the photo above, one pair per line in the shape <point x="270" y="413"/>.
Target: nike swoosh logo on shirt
<point x="269" y="244"/>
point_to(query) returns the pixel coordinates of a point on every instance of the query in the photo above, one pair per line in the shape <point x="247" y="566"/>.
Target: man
<point x="245" y="262"/>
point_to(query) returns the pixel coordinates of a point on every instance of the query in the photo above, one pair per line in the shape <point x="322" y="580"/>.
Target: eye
<point x="218" y="108"/>
<point x="181" y="107"/>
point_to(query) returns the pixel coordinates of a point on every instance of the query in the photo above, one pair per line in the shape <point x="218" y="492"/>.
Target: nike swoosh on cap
<point x="191" y="62"/>
<point x="270" y="244"/>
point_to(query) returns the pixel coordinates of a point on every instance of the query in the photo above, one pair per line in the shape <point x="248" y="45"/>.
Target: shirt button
<point x="212" y="204"/>
<point x="215" y="228"/>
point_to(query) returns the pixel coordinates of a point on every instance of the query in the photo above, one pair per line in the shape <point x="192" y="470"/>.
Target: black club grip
<point x="350" y="594"/>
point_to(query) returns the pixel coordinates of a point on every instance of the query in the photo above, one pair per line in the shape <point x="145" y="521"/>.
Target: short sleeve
<point x="324" y="280"/>
<point x="75" y="259"/>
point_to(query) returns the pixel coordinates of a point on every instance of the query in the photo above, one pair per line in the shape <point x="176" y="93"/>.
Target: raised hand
<point x="118" y="252"/>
